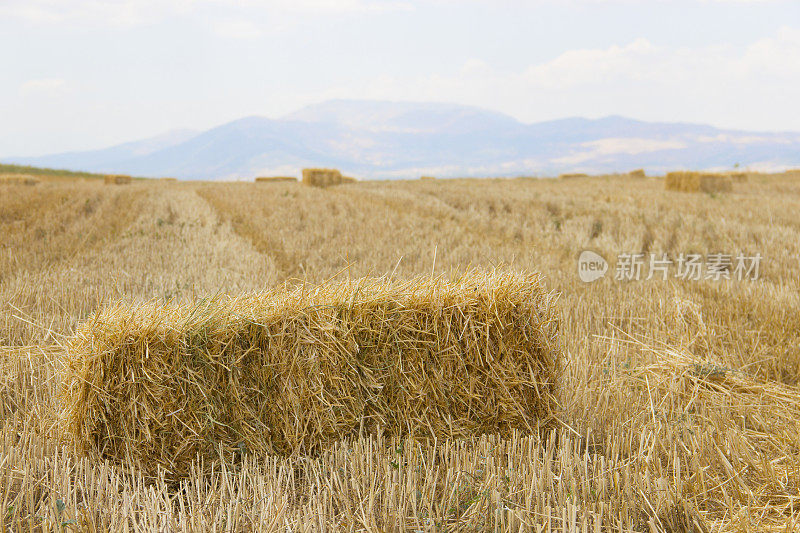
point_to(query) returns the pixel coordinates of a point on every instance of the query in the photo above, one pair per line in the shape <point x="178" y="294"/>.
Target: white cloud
<point x="136" y="12"/>
<point x="640" y="60"/>
<point x="720" y="84"/>
<point x="238" y="29"/>
<point x="591" y="65"/>
<point x="42" y="85"/>
<point x="112" y="12"/>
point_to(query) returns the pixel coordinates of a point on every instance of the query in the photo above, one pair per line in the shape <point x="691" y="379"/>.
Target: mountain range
<point x="385" y="140"/>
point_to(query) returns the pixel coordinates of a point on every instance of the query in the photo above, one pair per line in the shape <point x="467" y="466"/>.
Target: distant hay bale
<point x="321" y="177"/>
<point x="18" y="179"/>
<point x="168" y="179"/>
<point x="276" y="179"/>
<point x="427" y="178"/>
<point x="572" y="175"/>
<point x="674" y="181"/>
<point x="116" y="179"/>
<point x="685" y="181"/>
<point x="638" y="173"/>
<point x="292" y="371"/>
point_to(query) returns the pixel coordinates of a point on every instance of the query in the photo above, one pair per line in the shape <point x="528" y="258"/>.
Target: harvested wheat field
<point x="398" y="356"/>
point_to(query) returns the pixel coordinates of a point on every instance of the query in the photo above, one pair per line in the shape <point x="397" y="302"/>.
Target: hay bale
<point x="321" y="177"/>
<point x="18" y="179"/>
<point x="572" y="175"/>
<point x="427" y="178"/>
<point x="638" y="173"/>
<point x="674" y="181"/>
<point x="116" y="179"/>
<point x="697" y="182"/>
<point x="292" y="371"/>
<point x="170" y="180"/>
<point x="275" y="179"/>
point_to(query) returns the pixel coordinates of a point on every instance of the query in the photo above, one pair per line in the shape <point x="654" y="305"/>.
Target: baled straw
<point x="116" y="179"/>
<point x="638" y="173"/>
<point x="18" y="179"/>
<point x="321" y="177"/>
<point x="697" y="182"/>
<point x="292" y="371"/>
<point x="275" y="179"/>
<point x="573" y="175"/>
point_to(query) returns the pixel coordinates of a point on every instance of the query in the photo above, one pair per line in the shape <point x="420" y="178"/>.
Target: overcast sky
<point x="81" y="74"/>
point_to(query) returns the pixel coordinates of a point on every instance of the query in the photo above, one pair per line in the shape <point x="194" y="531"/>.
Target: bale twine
<point x="292" y="371"/>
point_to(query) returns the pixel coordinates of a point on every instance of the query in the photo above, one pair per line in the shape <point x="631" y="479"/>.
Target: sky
<point x="85" y="74"/>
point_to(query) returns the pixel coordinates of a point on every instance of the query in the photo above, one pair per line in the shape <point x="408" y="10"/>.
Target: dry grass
<point x="275" y="179"/>
<point x="677" y="404"/>
<point x="698" y="182"/>
<point x="116" y="179"/>
<point x="321" y="177"/>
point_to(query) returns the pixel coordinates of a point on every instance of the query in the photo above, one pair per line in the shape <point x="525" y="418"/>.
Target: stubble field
<point x="679" y="407"/>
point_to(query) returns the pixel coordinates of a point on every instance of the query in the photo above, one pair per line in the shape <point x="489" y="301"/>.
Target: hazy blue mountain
<point x="110" y="159"/>
<point x="404" y="140"/>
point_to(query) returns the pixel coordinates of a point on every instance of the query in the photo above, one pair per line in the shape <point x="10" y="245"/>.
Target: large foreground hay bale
<point x="292" y="371"/>
<point x="697" y="182"/>
<point x="275" y="179"/>
<point x="321" y="177"/>
<point x="116" y="179"/>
